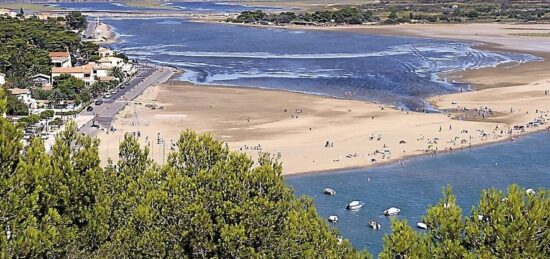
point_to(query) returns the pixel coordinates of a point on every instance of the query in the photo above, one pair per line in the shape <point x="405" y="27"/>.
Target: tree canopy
<point x="512" y="225"/>
<point x="346" y="15"/>
<point x="76" y="21"/>
<point x="205" y="202"/>
<point x="67" y="87"/>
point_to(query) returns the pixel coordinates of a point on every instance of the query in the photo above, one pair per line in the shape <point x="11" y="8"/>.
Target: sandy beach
<point x="104" y="34"/>
<point x="313" y="133"/>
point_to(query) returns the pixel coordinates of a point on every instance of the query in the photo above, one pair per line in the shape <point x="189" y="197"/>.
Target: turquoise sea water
<point x="417" y="184"/>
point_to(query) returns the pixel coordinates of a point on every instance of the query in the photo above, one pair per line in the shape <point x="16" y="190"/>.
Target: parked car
<point x="98" y="102"/>
<point x="89" y="108"/>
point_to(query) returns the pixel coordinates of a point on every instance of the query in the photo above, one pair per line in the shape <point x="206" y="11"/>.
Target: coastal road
<point x="90" y="30"/>
<point x="103" y="114"/>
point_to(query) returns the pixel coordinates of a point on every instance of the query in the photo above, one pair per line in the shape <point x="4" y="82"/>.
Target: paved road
<point x="104" y="113"/>
<point x="90" y="30"/>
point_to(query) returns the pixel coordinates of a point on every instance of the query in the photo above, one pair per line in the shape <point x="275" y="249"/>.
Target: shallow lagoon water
<point x="396" y="70"/>
<point x="187" y="6"/>
<point x="99" y="6"/>
<point x="217" y="7"/>
<point x="417" y="184"/>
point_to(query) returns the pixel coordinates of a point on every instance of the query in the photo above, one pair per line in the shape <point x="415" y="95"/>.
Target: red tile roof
<point x="63" y="54"/>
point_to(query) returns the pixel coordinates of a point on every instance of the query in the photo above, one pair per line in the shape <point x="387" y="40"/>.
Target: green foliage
<point x="47" y="114"/>
<point x="347" y="15"/>
<point x="402" y="12"/>
<point x="393" y="15"/>
<point x="40" y="94"/>
<point x="29" y="120"/>
<point x="285" y="17"/>
<point x="94" y="58"/>
<point x="67" y="87"/>
<point x="121" y="55"/>
<point x="205" y="202"/>
<point x="76" y="21"/>
<point x="99" y="87"/>
<point x="3" y="101"/>
<point x="404" y="242"/>
<point x="501" y="226"/>
<point x="15" y="106"/>
<point x="510" y="226"/>
<point x="252" y="16"/>
<point x="56" y="121"/>
<point x="117" y="73"/>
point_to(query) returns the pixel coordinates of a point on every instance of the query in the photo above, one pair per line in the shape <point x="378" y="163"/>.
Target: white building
<point x="2" y="78"/>
<point x="102" y="70"/>
<point x="111" y="61"/>
<point x="105" y="52"/>
<point x="24" y="95"/>
<point x="84" y="73"/>
<point x="61" y="59"/>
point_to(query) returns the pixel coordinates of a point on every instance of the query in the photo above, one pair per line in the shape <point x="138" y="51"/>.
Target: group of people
<point x="255" y="147"/>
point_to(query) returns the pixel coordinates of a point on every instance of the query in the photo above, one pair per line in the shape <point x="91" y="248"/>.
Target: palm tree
<point x="117" y="73"/>
<point x="97" y="88"/>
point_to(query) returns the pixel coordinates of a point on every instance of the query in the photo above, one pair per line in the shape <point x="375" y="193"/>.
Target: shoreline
<point x="289" y="131"/>
<point x="411" y="157"/>
<point x="227" y="125"/>
<point x="383" y="163"/>
<point x="105" y="34"/>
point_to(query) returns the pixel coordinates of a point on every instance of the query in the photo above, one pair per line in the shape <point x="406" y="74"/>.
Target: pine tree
<point x="445" y="227"/>
<point x="404" y="242"/>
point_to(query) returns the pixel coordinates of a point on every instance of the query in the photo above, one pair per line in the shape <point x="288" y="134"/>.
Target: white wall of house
<point x="112" y="61"/>
<point x="2" y="79"/>
<point x="62" y="63"/>
<point x="88" y="78"/>
<point x="102" y="72"/>
<point x="103" y="52"/>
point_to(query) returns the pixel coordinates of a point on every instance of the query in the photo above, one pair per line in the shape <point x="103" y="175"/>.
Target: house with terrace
<point x="110" y="62"/>
<point x="60" y="59"/>
<point x="84" y="73"/>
